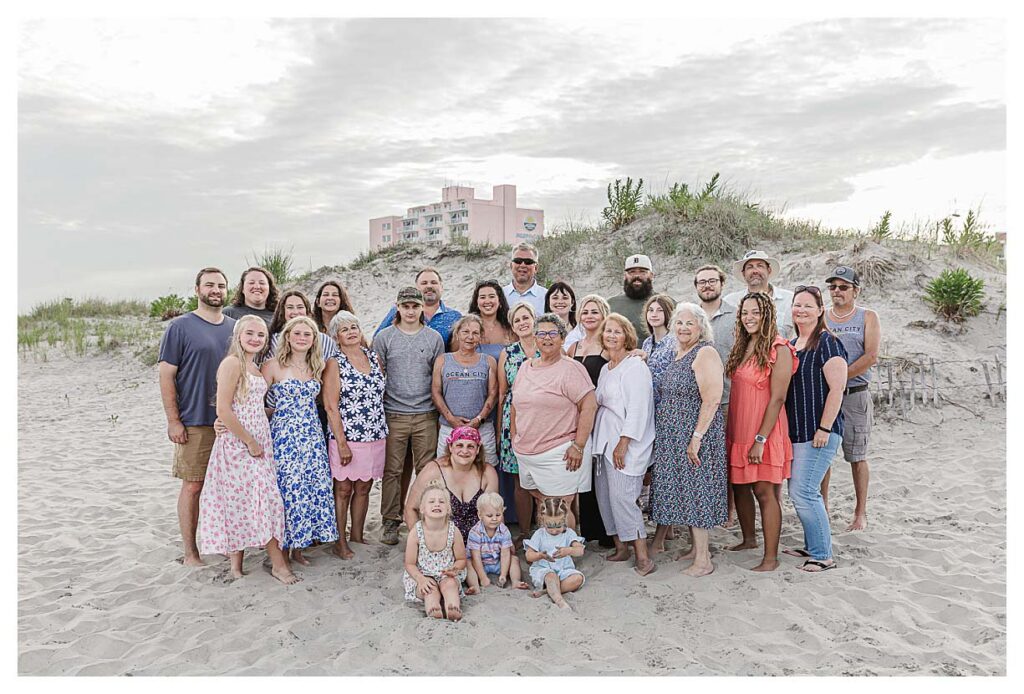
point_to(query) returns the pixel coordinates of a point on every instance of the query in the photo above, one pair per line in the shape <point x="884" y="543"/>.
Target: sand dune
<point x="923" y="591"/>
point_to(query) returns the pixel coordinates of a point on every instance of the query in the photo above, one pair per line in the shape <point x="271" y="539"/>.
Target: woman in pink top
<point x="552" y="414"/>
<point x="761" y="365"/>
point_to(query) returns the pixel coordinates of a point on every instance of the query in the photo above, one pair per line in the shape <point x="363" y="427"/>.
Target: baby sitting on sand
<point x="490" y="545"/>
<point x="550" y="551"/>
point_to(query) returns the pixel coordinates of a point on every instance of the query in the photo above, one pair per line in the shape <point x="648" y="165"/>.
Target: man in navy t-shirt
<point x="191" y="349"/>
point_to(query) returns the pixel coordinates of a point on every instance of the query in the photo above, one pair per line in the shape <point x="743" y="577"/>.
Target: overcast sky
<point x="151" y="147"/>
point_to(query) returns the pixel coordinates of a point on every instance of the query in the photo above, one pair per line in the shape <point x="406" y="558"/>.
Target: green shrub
<point x="882" y="230"/>
<point x="169" y="306"/>
<point x="680" y="202"/>
<point x="278" y="261"/>
<point x="955" y="295"/>
<point x="971" y="237"/>
<point x="623" y="202"/>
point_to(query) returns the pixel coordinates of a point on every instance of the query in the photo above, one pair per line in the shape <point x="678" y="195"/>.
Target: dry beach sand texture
<point x="923" y="591"/>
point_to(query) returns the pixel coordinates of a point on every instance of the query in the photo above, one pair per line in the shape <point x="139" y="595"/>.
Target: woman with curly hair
<point x="255" y="295"/>
<point x="761" y="365"/>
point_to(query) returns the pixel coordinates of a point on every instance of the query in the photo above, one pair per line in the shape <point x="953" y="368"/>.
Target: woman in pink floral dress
<point x="240" y="505"/>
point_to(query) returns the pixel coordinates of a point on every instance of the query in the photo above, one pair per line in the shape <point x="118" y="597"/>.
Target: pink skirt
<point x="367" y="460"/>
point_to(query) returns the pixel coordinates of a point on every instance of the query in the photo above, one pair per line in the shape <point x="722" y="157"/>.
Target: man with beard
<point x="709" y="283"/>
<point x="755" y="268"/>
<point x="637" y="288"/>
<point x="191" y="349"/>
<point x="437" y="316"/>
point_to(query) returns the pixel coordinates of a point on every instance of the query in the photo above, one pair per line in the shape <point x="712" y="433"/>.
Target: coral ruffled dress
<point x="751" y="391"/>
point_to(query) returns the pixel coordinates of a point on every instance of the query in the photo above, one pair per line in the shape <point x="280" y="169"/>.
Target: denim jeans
<point x="809" y="467"/>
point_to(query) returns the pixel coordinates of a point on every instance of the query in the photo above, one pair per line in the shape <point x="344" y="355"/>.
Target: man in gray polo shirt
<point x="408" y="349"/>
<point x="860" y="332"/>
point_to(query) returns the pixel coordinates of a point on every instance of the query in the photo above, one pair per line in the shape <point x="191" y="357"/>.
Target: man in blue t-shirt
<point x="435" y="313"/>
<point x="191" y="349"/>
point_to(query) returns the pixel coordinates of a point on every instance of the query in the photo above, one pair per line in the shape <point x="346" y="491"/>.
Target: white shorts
<point x="546" y="472"/>
<point x="487" y="440"/>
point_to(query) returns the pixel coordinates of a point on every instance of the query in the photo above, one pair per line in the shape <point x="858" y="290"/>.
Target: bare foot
<point x="472" y="590"/>
<point x="745" y="544"/>
<point x="536" y="593"/>
<point x="655" y="548"/>
<point x="298" y="558"/>
<point x="342" y="552"/>
<point x="698" y="570"/>
<point x="521" y="585"/>
<point x="767" y="565"/>
<point x="858" y="523"/>
<point x="193" y="561"/>
<point x="670" y="534"/>
<point x="454" y="612"/>
<point x="731" y="523"/>
<point x="518" y="540"/>
<point x="358" y="540"/>
<point x="285" y="576"/>
<point x="644" y="568"/>
<point x="618" y="556"/>
<point x="563" y="605"/>
<point x="436" y="612"/>
<point x="237" y="573"/>
<point x="689" y="555"/>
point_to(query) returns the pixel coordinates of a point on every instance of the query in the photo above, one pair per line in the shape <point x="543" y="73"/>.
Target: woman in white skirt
<point x="553" y="408"/>
<point x="623" y="441"/>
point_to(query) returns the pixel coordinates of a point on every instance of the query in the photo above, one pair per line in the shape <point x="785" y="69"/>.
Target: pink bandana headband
<point x="463" y="434"/>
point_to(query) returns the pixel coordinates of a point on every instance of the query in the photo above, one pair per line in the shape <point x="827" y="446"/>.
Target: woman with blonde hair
<point x="296" y="376"/>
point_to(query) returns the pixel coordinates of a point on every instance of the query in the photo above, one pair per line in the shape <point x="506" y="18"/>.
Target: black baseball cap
<point x="847" y="273"/>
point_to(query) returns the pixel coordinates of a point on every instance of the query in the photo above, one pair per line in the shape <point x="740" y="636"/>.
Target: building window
<point x="387" y="226"/>
<point x="385" y="239"/>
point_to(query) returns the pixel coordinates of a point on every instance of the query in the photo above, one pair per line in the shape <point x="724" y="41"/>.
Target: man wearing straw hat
<point x="755" y="269"/>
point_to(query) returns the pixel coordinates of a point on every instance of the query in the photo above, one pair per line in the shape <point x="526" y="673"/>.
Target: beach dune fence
<point x="902" y="384"/>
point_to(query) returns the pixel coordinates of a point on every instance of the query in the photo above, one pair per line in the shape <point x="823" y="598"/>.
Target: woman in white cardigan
<point x="623" y="439"/>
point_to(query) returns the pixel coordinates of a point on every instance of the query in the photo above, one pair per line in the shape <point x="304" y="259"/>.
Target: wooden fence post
<point x="935" y="389"/>
<point x="913" y="385"/>
<point x="1000" y="383"/>
<point x="888" y="365"/>
<point x="988" y="384"/>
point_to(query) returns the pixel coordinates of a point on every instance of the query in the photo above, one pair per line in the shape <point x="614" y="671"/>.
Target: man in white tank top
<point x="860" y="332"/>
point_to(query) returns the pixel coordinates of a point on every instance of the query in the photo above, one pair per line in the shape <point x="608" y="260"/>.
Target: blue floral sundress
<point x="303" y="473"/>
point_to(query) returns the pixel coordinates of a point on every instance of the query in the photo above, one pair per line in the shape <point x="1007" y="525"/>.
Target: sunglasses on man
<point x="524" y="261"/>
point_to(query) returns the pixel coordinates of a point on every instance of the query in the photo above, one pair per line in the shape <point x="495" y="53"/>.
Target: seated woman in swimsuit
<point x="466" y="476"/>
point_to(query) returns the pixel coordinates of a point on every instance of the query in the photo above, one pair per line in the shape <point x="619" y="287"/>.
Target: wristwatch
<point x="697" y="435"/>
<point x="576" y="446"/>
<point x="760" y="439"/>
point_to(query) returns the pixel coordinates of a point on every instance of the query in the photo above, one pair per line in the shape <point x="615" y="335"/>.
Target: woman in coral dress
<point x="761" y="365"/>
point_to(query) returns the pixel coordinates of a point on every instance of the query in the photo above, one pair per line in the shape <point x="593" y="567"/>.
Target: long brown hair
<point x="763" y="338"/>
<point x="278" y="322"/>
<point x="812" y="339"/>
<point x="668" y="305"/>
<point x="239" y="299"/>
<point x="345" y="304"/>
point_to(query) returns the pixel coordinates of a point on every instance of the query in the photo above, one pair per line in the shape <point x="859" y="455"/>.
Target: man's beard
<point x="641" y="292"/>
<point x="209" y="301"/>
<point x="708" y="299"/>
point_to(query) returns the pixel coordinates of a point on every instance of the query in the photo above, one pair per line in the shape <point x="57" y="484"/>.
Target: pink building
<point x="461" y="215"/>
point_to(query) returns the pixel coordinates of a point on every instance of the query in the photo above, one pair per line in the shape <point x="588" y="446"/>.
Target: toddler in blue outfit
<point x="550" y="552"/>
<point x="489" y="545"/>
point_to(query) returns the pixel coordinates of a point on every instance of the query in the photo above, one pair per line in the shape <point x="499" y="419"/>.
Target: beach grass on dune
<point x="92" y="324"/>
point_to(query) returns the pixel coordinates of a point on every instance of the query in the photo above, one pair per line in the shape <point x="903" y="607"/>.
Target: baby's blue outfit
<point x="545" y="542"/>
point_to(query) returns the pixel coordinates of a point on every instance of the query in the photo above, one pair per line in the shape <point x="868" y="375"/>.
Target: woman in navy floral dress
<point x="295" y="375"/>
<point x="357" y="430"/>
<point x="690" y="471"/>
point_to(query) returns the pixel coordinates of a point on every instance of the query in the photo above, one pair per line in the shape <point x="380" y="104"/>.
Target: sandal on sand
<point x="814" y="562"/>
<point x="802" y="553"/>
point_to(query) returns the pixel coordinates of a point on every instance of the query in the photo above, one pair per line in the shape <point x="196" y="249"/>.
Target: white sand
<point x="100" y="591"/>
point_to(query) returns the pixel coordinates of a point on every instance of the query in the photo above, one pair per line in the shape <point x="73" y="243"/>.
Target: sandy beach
<point x="101" y="591"/>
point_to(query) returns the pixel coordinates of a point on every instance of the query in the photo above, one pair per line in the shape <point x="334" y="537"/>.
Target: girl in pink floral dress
<point x="240" y="505"/>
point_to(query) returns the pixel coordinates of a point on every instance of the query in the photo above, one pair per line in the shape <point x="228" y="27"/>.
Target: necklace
<point x="843" y="317"/>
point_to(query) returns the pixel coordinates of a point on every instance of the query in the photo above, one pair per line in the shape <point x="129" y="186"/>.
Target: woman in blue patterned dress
<point x="690" y="477"/>
<point x="521" y="316"/>
<point x="659" y="346"/>
<point x="358" y="429"/>
<point x="303" y="474"/>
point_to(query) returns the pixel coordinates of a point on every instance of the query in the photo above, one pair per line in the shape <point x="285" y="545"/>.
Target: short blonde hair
<point x="602" y="304"/>
<point x="627" y="328"/>
<point x="490" y="500"/>
<point x="521" y="305"/>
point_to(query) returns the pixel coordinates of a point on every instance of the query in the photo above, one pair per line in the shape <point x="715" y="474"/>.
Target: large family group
<point x="535" y="408"/>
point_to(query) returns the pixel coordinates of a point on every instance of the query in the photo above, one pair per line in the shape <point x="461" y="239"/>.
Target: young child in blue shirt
<point x="550" y="551"/>
<point x="490" y="545"/>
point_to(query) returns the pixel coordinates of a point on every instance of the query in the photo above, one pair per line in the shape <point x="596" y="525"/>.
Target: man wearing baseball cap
<point x="860" y="332"/>
<point x="408" y="350"/>
<point x="637" y="288"/>
<point x="754" y="269"/>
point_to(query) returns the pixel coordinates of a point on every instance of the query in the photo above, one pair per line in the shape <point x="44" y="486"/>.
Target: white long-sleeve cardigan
<point x="625" y="398"/>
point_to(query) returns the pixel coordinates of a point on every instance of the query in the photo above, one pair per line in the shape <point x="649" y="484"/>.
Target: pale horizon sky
<point x="139" y="162"/>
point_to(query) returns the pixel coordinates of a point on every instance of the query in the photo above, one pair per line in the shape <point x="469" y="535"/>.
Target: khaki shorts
<point x="190" y="459"/>
<point x="858" y="417"/>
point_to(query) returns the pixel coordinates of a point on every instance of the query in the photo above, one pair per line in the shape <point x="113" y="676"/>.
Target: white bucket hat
<point x="737" y="267"/>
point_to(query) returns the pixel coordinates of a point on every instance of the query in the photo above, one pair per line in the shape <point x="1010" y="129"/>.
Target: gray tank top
<point x="464" y="387"/>
<point x="851" y="334"/>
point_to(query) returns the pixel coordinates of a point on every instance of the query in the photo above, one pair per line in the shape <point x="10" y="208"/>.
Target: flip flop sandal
<point x="814" y="562"/>
<point x="802" y="553"/>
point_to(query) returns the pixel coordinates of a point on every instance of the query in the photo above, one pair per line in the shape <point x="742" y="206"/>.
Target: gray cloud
<point x="135" y="197"/>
